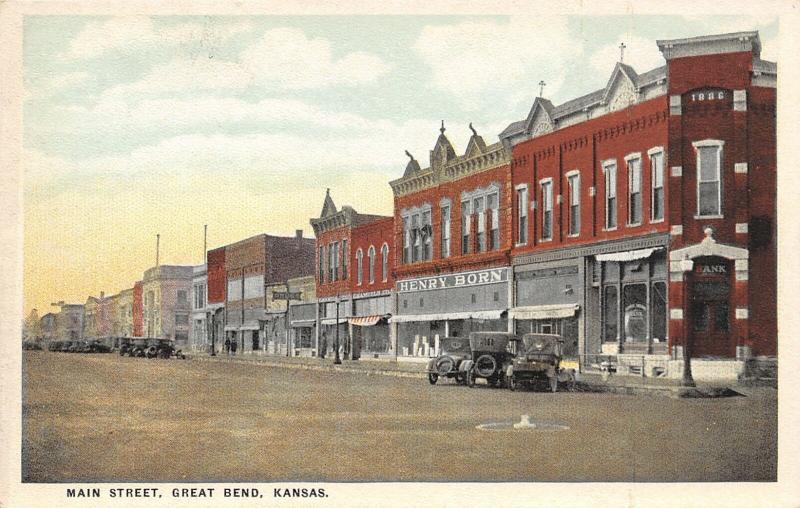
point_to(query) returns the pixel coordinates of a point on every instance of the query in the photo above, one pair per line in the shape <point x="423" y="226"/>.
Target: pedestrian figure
<point x="323" y="346"/>
<point x="234" y="346"/>
<point x="227" y="345"/>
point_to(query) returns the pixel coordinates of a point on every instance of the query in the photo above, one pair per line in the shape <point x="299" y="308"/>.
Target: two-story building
<point x="199" y="333"/>
<point x="353" y="273"/>
<point x="165" y="303"/>
<point x="452" y="243"/>
<point x="215" y="297"/>
<point x="251" y="265"/>
<point x="644" y="212"/>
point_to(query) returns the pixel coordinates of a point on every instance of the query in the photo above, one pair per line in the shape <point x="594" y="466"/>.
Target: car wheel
<point x="485" y="365"/>
<point x="432" y="378"/>
<point x="512" y="384"/>
<point x="460" y="379"/>
<point x="554" y="384"/>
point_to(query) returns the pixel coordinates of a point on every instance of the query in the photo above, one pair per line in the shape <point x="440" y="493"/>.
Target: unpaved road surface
<point x="108" y="418"/>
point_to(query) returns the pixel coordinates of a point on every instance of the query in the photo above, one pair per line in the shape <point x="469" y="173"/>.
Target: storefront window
<point x="610" y="309"/>
<point x="658" y="310"/>
<point x="635" y="318"/>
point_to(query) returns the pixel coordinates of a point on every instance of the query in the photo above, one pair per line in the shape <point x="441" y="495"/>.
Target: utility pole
<point x="158" y="247"/>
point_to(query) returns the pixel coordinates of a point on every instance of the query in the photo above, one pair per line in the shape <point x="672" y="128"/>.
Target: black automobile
<point x="96" y="346"/>
<point x="491" y="354"/>
<point x="455" y="351"/>
<point x="162" y="348"/>
<point x="538" y="361"/>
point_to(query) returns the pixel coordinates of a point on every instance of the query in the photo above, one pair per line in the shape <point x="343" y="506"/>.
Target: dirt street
<point x="108" y="418"/>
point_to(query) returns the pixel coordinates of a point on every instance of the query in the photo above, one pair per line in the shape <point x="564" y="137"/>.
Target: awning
<point x="452" y="316"/>
<point x="249" y="327"/>
<point x="544" y="311"/>
<point x="366" y="320"/>
<point x="332" y="321"/>
<point x="303" y="323"/>
<point x="628" y="255"/>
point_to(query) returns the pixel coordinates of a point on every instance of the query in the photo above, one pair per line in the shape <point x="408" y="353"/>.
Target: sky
<point x="135" y="126"/>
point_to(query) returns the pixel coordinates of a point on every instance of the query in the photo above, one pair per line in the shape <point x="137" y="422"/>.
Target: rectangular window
<point x="321" y="264"/>
<point x="182" y="297"/>
<point x="416" y="238"/>
<point x="344" y="259"/>
<point x="657" y="179"/>
<point x="709" y="195"/>
<point x="333" y="261"/>
<point x="522" y="215"/>
<point x="181" y="320"/>
<point x="658" y="311"/>
<point x="574" y="204"/>
<point x="611" y="195"/>
<point x="360" y="266"/>
<point x="634" y="191"/>
<point x="634" y="304"/>
<point x="610" y="314"/>
<point x="465" y="227"/>
<point x="547" y="210"/>
<point x="480" y="212"/>
<point x="427" y="236"/>
<point x="445" y="231"/>
<point x="493" y="204"/>
<point x="385" y="262"/>
<point x="406" y="239"/>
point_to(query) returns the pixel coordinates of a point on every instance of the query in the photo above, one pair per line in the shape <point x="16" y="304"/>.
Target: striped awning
<point x="366" y="320"/>
<point x="629" y="255"/>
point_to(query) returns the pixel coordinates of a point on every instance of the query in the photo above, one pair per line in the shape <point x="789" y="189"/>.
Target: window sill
<point x="633" y="224"/>
<point x="609" y="229"/>
<point x="659" y="221"/>
<point x="573" y="235"/>
<point x="545" y="240"/>
<point x="709" y="216"/>
<point x="521" y="244"/>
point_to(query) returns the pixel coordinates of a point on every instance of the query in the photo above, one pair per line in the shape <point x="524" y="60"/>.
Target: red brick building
<point x="215" y="306"/>
<point x="250" y="266"/>
<point x="644" y="212"/>
<point x="452" y="244"/>
<point x="354" y="260"/>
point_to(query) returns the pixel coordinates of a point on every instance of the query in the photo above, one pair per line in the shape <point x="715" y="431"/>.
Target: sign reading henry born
<point x="455" y="280"/>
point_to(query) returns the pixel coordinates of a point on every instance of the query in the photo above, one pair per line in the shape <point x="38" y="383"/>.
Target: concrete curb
<point x="329" y="368"/>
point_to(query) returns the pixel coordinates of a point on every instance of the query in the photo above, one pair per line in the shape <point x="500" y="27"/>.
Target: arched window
<point x="371" y="256"/>
<point x="385" y="262"/>
<point x="359" y="266"/>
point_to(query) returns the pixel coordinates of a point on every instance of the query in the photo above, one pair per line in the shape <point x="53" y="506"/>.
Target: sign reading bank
<point x="454" y="280"/>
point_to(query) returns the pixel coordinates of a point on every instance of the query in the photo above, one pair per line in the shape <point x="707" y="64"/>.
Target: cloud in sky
<point x="473" y="58"/>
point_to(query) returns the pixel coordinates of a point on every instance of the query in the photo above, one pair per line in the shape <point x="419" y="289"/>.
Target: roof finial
<point x="541" y="87"/>
<point x="622" y="47"/>
<point x="328" y="191"/>
<point x="410" y="156"/>
<point x="442" y="129"/>
<point x="474" y="132"/>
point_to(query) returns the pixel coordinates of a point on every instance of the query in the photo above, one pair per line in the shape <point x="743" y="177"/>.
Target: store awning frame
<point x="452" y="316"/>
<point x="367" y="320"/>
<point x="557" y="311"/>
<point x="332" y="321"/>
<point x="628" y="255"/>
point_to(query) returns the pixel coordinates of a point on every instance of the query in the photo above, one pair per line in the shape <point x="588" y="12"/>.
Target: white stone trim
<point x="740" y="168"/>
<point x="520" y="186"/>
<point x="605" y="164"/>
<point x="742" y="313"/>
<point x="676" y="230"/>
<point x="741" y="227"/>
<point x="572" y="173"/>
<point x="675" y="276"/>
<point x="676" y="314"/>
<point x="742" y="276"/>
<point x="741" y="265"/>
<point x="708" y="142"/>
<point x="676" y="171"/>
<point x="655" y="150"/>
<point x="674" y="104"/>
<point x="592" y="190"/>
<point x="740" y="100"/>
<point x="633" y="156"/>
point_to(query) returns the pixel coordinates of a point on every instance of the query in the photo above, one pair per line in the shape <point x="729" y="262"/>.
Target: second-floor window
<point x="385" y="262"/>
<point x="709" y="184"/>
<point x="371" y="257"/>
<point x="426" y="232"/>
<point x="522" y="215"/>
<point x="465" y="226"/>
<point x="344" y="259"/>
<point x="406" y="239"/>
<point x="480" y="213"/>
<point x="181" y="297"/>
<point x="322" y="263"/>
<point x="333" y="262"/>
<point x="547" y="209"/>
<point x="492" y="203"/>
<point x="657" y="183"/>
<point x="635" y="191"/>
<point x="359" y="266"/>
<point x="417" y="236"/>
<point x="610" y="172"/>
<point x="574" y="182"/>
<point x="445" y="231"/>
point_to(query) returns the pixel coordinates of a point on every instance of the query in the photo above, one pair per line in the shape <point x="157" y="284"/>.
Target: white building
<point x="199" y="333"/>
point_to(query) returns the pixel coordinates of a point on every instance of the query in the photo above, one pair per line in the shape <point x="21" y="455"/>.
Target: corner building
<point x="644" y="213"/>
<point x="452" y="244"/>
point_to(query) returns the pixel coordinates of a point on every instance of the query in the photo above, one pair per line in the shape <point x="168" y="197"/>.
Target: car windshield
<point x="537" y="344"/>
<point x="455" y="345"/>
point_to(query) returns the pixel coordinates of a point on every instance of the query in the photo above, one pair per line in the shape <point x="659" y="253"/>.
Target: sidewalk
<point x="587" y="382"/>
